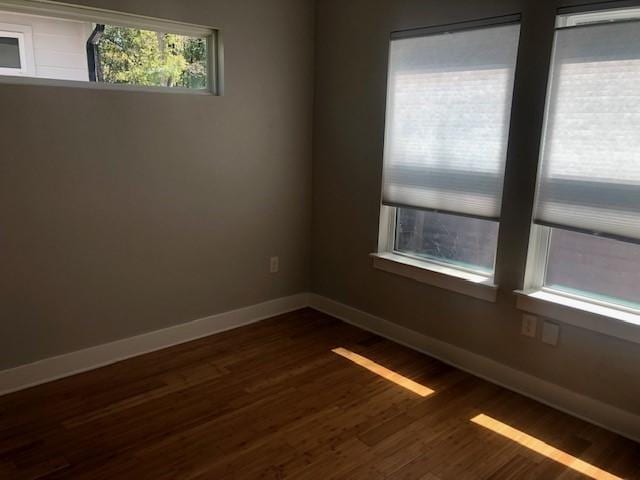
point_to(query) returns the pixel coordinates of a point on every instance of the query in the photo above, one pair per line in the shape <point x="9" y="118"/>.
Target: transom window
<point x="102" y="48"/>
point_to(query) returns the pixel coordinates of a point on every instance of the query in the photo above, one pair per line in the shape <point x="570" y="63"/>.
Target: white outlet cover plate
<point x="274" y="264"/>
<point x="529" y="325"/>
<point x="550" y="333"/>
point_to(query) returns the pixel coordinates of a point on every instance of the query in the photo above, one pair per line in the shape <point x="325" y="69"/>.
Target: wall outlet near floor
<point x="529" y="325"/>
<point x="550" y="334"/>
<point x="274" y="264"/>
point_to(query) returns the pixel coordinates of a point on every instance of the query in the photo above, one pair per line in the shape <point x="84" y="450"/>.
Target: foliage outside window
<point x="143" y="57"/>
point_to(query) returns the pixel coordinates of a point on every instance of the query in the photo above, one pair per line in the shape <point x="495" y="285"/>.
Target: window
<point x="448" y="113"/>
<point x="102" y="48"/>
<point x="585" y="241"/>
<point x="10" y="51"/>
<point x="16" y="56"/>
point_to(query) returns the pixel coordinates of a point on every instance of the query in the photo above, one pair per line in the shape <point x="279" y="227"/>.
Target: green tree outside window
<point x="143" y="57"/>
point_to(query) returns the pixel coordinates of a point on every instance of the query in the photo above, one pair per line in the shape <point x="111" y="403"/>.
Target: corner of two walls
<point x="128" y="212"/>
<point x="124" y="213"/>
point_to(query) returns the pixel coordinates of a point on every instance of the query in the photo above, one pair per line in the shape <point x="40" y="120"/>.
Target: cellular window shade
<point x="448" y="110"/>
<point x="590" y="171"/>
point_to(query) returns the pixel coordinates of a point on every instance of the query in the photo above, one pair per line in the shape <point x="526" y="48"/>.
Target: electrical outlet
<point x="550" y="334"/>
<point x="529" y="325"/>
<point x="274" y="264"/>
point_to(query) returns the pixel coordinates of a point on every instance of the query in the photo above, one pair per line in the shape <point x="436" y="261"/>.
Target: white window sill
<point x="448" y="278"/>
<point x="116" y="87"/>
<point x="581" y="313"/>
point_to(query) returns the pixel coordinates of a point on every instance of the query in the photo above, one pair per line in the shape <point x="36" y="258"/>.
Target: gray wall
<point x="122" y="213"/>
<point x="351" y="57"/>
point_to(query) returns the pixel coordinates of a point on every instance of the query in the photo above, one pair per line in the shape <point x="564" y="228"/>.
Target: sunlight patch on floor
<point x="543" y="448"/>
<point x="384" y="372"/>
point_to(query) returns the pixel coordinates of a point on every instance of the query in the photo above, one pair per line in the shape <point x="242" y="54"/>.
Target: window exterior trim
<point x="24" y="35"/>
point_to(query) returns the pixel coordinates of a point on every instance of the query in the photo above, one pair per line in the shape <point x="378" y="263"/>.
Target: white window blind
<point x="448" y="112"/>
<point x="590" y="171"/>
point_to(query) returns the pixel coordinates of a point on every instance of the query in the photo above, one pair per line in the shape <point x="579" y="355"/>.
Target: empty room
<point x="319" y="239"/>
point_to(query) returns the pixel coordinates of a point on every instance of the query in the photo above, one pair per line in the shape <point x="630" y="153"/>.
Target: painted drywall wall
<point x="127" y="212"/>
<point x="56" y="48"/>
<point x="351" y="61"/>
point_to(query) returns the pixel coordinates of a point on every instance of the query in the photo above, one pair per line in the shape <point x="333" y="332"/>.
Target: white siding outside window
<point x="54" y="48"/>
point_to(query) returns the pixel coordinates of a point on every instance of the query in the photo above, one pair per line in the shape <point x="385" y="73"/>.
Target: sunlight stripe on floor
<point x="384" y="372"/>
<point x="543" y="448"/>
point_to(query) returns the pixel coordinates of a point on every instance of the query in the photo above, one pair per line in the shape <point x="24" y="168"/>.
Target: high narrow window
<point x="448" y="114"/>
<point x="586" y="241"/>
<point x="47" y="41"/>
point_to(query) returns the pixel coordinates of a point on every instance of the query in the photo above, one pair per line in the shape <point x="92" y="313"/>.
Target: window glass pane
<point x="9" y="52"/>
<point x="143" y="57"/>
<point x="462" y="241"/>
<point x="605" y="269"/>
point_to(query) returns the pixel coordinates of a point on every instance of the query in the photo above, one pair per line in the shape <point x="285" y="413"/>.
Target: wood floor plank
<point x="274" y="401"/>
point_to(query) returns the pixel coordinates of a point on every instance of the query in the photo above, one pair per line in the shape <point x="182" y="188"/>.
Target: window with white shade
<point x="586" y="237"/>
<point x="448" y="114"/>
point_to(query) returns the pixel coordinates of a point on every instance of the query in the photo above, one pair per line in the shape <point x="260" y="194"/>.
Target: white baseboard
<point x="585" y="408"/>
<point x="593" y="411"/>
<point x="54" y="368"/>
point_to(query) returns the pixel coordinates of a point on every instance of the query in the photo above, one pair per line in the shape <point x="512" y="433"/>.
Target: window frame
<point x="566" y="19"/>
<point x="441" y="274"/>
<point x="21" y="53"/>
<point x="391" y="237"/>
<point x="24" y="35"/>
<point x="536" y="272"/>
<point x="610" y="318"/>
<point x="45" y="8"/>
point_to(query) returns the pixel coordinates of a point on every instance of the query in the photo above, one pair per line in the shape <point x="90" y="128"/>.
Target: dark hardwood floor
<point x="300" y="396"/>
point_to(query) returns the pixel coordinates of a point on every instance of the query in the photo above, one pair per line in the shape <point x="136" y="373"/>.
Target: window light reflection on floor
<point x="543" y="448"/>
<point x="384" y="372"/>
